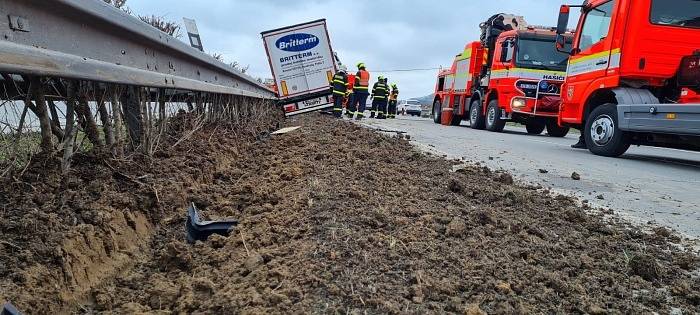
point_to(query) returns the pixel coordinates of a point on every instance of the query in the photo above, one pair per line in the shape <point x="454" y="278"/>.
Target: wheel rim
<point x="473" y="114"/>
<point x="602" y="130"/>
<point x="492" y="116"/>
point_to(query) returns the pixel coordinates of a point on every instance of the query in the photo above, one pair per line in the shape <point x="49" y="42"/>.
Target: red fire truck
<point x="634" y="74"/>
<point x="511" y="74"/>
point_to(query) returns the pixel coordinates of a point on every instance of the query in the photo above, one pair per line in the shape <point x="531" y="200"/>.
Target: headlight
<point x="518" y="103"/>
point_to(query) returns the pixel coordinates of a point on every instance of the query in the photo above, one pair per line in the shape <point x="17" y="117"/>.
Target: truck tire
<point x="602" y="133"/>
<point x="556" y="131"/>
<point x="493" y="117"/>
<point x="534" y="127"/>
<point x="437" y="111"/>
<point x="476" y="116"/>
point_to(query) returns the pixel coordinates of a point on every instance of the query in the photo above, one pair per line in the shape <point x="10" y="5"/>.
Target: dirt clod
<point x="575" y="176"/>
<point x="455" y="186"/>
<point x="504" y="178"/>
<point x="456" y="228"/>
<point x="474" y="309"/>
<point x="645" y="266"/>
<point x="253" y="262"/>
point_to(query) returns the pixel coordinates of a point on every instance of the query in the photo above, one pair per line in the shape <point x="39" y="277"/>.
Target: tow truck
<point x="633" y="74"/>
<point x="511" y="74"/>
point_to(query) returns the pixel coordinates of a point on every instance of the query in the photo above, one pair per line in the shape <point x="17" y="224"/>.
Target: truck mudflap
<point x="679" y="119"/>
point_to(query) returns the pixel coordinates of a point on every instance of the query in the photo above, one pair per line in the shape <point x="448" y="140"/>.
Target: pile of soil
<point x="338" y="218"/>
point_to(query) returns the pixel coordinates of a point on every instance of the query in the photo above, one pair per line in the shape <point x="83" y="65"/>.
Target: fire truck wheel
<point x="493" y="117"/>
<point x="554" y="130"/>
<point x="476" y="116"/>
<point x="534" y="127"/>
<point x="437" y="111"/>
<point x="603" y="135"/>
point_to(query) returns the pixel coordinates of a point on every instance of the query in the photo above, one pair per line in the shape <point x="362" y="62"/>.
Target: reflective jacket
<point x="339" y="85"/>
<point x="361" y="82"/>
<point x="351" y="83"/>
<point x="380" y="91"/>
<point x="394" y="94"/>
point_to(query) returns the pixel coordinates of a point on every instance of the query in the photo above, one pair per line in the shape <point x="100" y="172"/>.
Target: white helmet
<point x="344" y="68"/>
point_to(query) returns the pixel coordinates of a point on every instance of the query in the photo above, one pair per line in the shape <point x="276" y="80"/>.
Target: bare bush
<point x="119" y="4"/>
<point x="169" y="27"/>
<point x="61" y="118"/>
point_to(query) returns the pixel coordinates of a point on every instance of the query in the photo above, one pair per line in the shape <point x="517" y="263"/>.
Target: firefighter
<point x="393" y="99"/>
<point x="581" y="144"/>
<point x="360" y="91"/>
<point x="349" y="95"/>
<point x="383" y="95"/>
<point x="339" y="88"/>
<point x="374" y="111"/>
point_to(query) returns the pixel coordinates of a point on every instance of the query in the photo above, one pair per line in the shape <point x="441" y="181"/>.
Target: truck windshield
<point x="541" y="54"/>
<point x="684" y="13"/>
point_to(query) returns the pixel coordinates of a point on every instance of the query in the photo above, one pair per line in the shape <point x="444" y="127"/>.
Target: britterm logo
<point x="297" y="42"/>
<point x="554" y="77"/>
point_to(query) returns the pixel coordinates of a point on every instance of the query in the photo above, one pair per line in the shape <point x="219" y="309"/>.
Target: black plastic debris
<point x="198" y="230"/>
<point x="9" y="309"/>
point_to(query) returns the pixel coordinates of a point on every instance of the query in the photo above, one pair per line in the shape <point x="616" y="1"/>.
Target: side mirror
<point x="563" y="19"/>
<point x="560" y="42"/>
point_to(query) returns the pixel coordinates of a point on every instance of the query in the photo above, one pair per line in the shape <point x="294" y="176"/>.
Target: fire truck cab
<point x="511" y="74"/>
<point x="634" y="74"/>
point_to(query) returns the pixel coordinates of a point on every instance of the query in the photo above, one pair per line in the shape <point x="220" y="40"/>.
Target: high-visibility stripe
<point x="361" y="88"/>
<point x="339" y="92"/>
<point x="524" y="73"/>
<point x="339" y="82"/>
<point x="596" y="62"/>
<point x="338" y="109"/>
<point x="575" y="60"/>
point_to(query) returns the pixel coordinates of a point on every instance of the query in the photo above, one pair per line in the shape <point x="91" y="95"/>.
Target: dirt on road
<point x="334" y="218"/>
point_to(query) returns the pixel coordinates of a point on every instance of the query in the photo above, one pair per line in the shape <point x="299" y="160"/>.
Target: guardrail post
<point x="132" y="114"/>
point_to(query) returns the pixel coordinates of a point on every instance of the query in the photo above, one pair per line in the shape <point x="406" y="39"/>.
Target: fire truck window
<point x="441" y="84"/>
<point x="510" y="51"/>
<point x="685" y="13"/>
<point x="596" y="25"/>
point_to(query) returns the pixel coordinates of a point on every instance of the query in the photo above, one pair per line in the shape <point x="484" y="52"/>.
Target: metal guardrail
<point x="91" y="40"/>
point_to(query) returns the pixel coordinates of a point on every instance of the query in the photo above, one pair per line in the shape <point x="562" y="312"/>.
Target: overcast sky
<point x="386" y="35"/>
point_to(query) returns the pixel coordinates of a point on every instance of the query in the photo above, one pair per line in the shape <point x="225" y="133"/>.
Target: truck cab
<point x="634" y="74"/>
<point x="524" y="81"/>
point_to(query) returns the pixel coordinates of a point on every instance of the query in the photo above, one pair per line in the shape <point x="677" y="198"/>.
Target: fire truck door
<point x="592" y="50"/>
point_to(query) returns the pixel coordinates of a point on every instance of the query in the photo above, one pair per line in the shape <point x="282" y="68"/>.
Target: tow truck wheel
<point x="493" y="117"/>
<point x="476" y="116"/>
<point x="534" y="127"/>
<point x="603" y="135"/>
<point x="554" y="130"/>
<point x="437" y="111"/>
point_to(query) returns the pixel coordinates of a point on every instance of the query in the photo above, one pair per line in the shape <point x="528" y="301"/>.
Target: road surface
<point x="646" y="184"/>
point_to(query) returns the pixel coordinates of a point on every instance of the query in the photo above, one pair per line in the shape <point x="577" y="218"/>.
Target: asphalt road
<point x="646" y="184"/>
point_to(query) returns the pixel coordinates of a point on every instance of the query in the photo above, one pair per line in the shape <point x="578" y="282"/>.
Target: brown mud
<point x="334" y="218"/>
